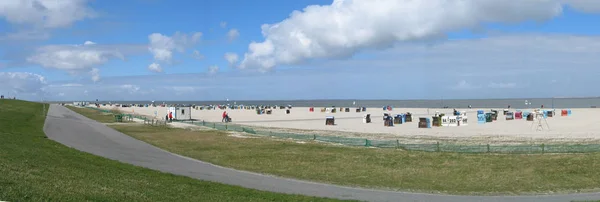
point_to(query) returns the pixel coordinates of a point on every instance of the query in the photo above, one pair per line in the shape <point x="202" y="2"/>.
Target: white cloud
<point x="89" y="43"/>
<point x="233" y="34"/>
<point x="76" y="59"/>
<point x="347" y="27"/>
<point x="197" y="55"/>
<point x="155" y="67"/>
<point x="223" y="24"/>
<point x="213" y="69"/>
<point x="45" y="13"/>
<point x="162" y="46"/>
<point x="232" y="58"/>
<point x="73" y="57"/>
<point x="21" y="82"/>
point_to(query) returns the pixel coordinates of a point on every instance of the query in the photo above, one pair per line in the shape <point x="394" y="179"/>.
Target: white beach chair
<point x="452" y="121"/>
<point x="445" y="121"/>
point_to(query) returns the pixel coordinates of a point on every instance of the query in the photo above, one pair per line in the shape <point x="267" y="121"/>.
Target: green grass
<point x="95" y="114"/>
<point x="38" y="169"/>
<point x="478" y="174"/>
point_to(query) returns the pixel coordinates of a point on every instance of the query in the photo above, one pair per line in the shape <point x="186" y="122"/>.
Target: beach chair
<point x="445" y="121"/>
<point x="488" y="117"/>
<point x="367" y="118"/>
<point x="518" y="115"/>
<point x="424" y="123"/>
<point x="509" y="116"/>
<point x="464" y="121"/>
<point x="452" y="121"/>
<point x="330" y="121"/>
<point x="408" y="117"/>
<point x="389" y="121"/>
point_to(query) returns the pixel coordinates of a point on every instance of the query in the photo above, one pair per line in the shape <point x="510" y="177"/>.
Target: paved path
<point x="79" y="132"/>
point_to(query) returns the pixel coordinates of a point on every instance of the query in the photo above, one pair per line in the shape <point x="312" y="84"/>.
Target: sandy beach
<point x="581" y="126"/>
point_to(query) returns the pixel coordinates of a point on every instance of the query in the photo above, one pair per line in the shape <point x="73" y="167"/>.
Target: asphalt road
<point x="76" y="131"/>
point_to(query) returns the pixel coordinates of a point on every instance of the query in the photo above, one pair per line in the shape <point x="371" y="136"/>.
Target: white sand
<point x="582" y="126"/>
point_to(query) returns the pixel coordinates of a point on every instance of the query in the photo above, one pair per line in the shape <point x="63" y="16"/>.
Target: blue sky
<point x="314" y="49"/>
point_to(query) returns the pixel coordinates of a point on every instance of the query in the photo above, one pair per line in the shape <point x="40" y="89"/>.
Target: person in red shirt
<point x="224" y="116"/>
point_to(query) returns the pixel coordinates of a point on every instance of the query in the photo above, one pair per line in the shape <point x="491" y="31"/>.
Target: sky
<point x="286" y="50"/>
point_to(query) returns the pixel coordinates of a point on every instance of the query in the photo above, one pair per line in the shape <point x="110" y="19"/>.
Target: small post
<point x="488" y="148"/>
<point x="438" y="146"/>
<point x="225" y="126"/>
<point x="214" y="125"/>
<point x="314" y="137"/>
<point x="543" y="148"/>
<point x="397" y="144"/>
<point x="203" y="123"/>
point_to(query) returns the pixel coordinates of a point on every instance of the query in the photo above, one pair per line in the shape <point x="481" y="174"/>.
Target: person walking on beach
<point x="170" y="116"/>
<point x="224" y="116"/>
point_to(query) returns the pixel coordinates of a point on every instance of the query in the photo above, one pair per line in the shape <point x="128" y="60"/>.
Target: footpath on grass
<point x="127" y="149"/>
<point x="35" y="168"/>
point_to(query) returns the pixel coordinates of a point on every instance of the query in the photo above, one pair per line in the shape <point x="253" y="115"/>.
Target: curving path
<point x="79" y="132"/>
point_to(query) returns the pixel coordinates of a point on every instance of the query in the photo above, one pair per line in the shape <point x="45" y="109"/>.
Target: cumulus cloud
<point x="162" y="46"/>
<point x="80" y="58"/>
<point x="233" y="34"/>
<point x="73" y="57"/>
<point x="232" y="58"/>
<point x="21" y="82"/>
<point x="213" y="69"/>
<point x="155" y="67"/>
<point x="347" y="27"/>
<point x="45" y="13"/>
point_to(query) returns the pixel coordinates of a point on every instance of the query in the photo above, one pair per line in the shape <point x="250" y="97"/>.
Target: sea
<point x="441" y="103"/>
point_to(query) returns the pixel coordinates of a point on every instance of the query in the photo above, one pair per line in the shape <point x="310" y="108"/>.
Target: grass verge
<point x="95" y="114"/>
<point x="38" y="169"/>
<point x="454" y="173"/>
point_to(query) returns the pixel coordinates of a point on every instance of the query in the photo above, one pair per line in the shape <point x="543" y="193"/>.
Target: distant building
<point x="81" y="104"/>
<point x="180" y="113"/>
